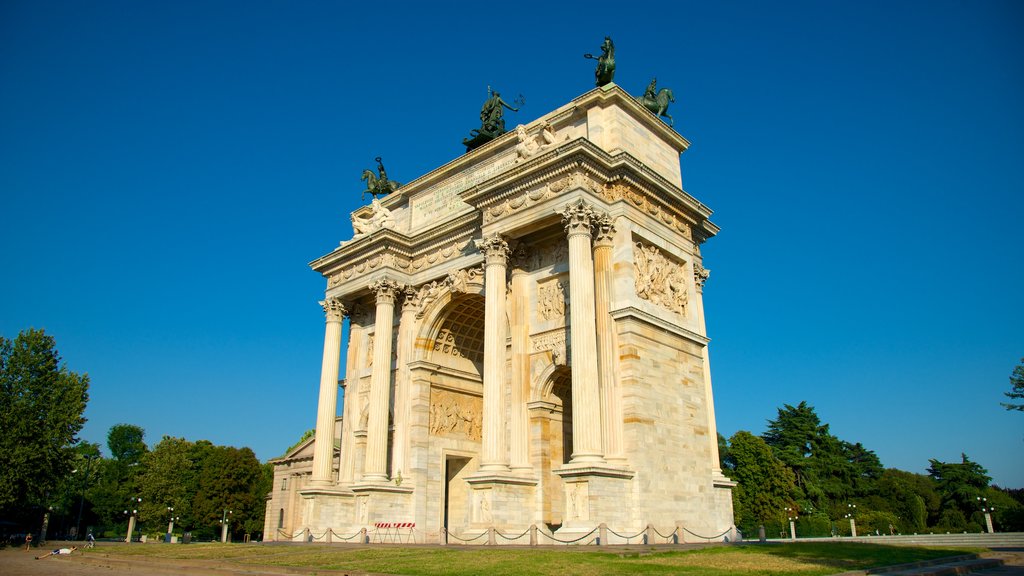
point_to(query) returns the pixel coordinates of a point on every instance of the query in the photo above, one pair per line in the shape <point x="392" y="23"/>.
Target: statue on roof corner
<point x="492" y="121"/>
<point x="657" y="101"/>
<point x="378" y="184"/>
<point x="605" y="71"/>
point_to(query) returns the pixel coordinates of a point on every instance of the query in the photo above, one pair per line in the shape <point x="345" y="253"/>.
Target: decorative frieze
<point x="453" y="414"/>
<point x="555" y="342"/>
<point x="658" y="279"/>
<point x="615" y="191"/>
<point x="540" y="194"/>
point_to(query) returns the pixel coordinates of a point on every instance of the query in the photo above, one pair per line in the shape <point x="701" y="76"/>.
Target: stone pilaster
<point x="495" y="454"/>
<point x="611" y="408"/>
<point x="386" y="292"/>
<point x="586" y="420"/>
<point x="519" y="424"/>
<point x="700" y="276"/>
<point x="327" y="405"/>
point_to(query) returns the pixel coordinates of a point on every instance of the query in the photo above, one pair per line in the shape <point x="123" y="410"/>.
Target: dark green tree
<point x="1016" y="387"/>
<point x="116" y="482"/>
<point x="910" y="497"/>
<point x="41" y="407"/>
<point x="725" y="459"/>
<point x="127" y="443"/>
<point x="792" y="437"/>
<point x="830" y="472"/>
<point x="765" y="486"/>
<point x="959" y="485"/>
<point x="227" y="480"/>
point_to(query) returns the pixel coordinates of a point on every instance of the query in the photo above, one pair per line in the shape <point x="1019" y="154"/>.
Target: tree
<point x="41" y="407"/>
<point x="792" y="436"/>
<point x="126" y="443"/>
<point x="1016" y="387"/>
<point x="765" y="486"/>
<point x="829" y="472"/>
<point x="226" y="481"/>
<point x="165" y="479"/>
<point x="960" y="486"/>
<point x="910" y="497"/>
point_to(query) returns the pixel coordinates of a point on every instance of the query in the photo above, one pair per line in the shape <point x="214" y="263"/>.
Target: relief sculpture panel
<point x="658" y="279"/>
<point x="453" y="414"/>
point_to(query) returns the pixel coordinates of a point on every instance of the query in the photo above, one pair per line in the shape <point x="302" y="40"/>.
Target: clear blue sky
<point x="168" y="169"/>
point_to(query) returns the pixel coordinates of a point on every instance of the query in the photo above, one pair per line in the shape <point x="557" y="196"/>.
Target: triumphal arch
<point x="527" y="354"/>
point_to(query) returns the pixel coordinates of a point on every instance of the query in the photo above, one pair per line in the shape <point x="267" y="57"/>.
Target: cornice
<point x="632" y="312"/>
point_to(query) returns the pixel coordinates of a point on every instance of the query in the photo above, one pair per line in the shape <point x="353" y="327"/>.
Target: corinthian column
<point x="495" y="456"/>
<point x="611" y="410"/>
<point x="586" y="406"/>
<point x="327" y="405"/>
<point x="519" y="425"/>
<point x="380" y="382"/>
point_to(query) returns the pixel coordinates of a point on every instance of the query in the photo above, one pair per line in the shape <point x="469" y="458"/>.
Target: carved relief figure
<point x="659" y="280"/>
<point x="551" y="300"/>
<point x="454" y="414"/>
<point x="529" y="146"/>
<point x="379" y="217"/>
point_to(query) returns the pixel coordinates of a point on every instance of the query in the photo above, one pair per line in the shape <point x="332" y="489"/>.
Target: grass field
<point x="809" y="559"/>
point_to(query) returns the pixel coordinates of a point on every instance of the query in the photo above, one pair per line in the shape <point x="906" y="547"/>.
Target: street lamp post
<point x="853" y="523"/>
<point x="791" y="515"/>
<point x="81" y="501"/>
<point x="136" y="504"/>
<point x="170" y="523"/>
<point x="988" y="513"/>
<point x="224" y="526"/>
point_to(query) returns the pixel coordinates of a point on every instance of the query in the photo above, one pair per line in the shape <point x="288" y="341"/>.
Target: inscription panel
<point x="442" y="201"/>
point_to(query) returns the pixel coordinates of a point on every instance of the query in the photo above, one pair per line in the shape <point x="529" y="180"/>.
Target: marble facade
<point x="526" y="346"/>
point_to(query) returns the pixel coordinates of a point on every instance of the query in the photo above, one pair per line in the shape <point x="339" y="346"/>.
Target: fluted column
<point x="586" y="406"/>
<point x="380" y="382"/>
<point x="519" y="425"/>
<point x="406" y="340"/>
<point x="327" y="405"/>
<point x="350" y="410"/>
<point x="495" y="454"/>
<point x="611" y="409"/>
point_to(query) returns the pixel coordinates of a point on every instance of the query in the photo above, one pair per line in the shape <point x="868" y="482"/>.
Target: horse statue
<point x="605" y="71"/>
<point x="659" y="103"/>
<point x="378" y="184"/>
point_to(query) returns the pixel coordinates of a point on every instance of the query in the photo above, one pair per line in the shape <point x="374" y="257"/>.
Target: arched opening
<point x="552" y="422"/>
<point x="457" y="340"/>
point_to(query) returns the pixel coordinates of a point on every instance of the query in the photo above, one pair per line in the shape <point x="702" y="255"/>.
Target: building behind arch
<point x="527" y="347"/>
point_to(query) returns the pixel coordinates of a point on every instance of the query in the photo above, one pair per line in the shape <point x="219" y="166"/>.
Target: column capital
<point x="519" y="257"/>
<point x="334" y="309"/>
<point x="604" y="231"/>
<point x="410" y="298"/>
<point x="700" y="276"/>
<point x="495" y="249"/>
<point x="385" y="290"/>
<point x="578" y="218"/>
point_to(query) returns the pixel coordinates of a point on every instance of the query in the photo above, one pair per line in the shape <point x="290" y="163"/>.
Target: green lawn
<point x="809" y="559"/>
